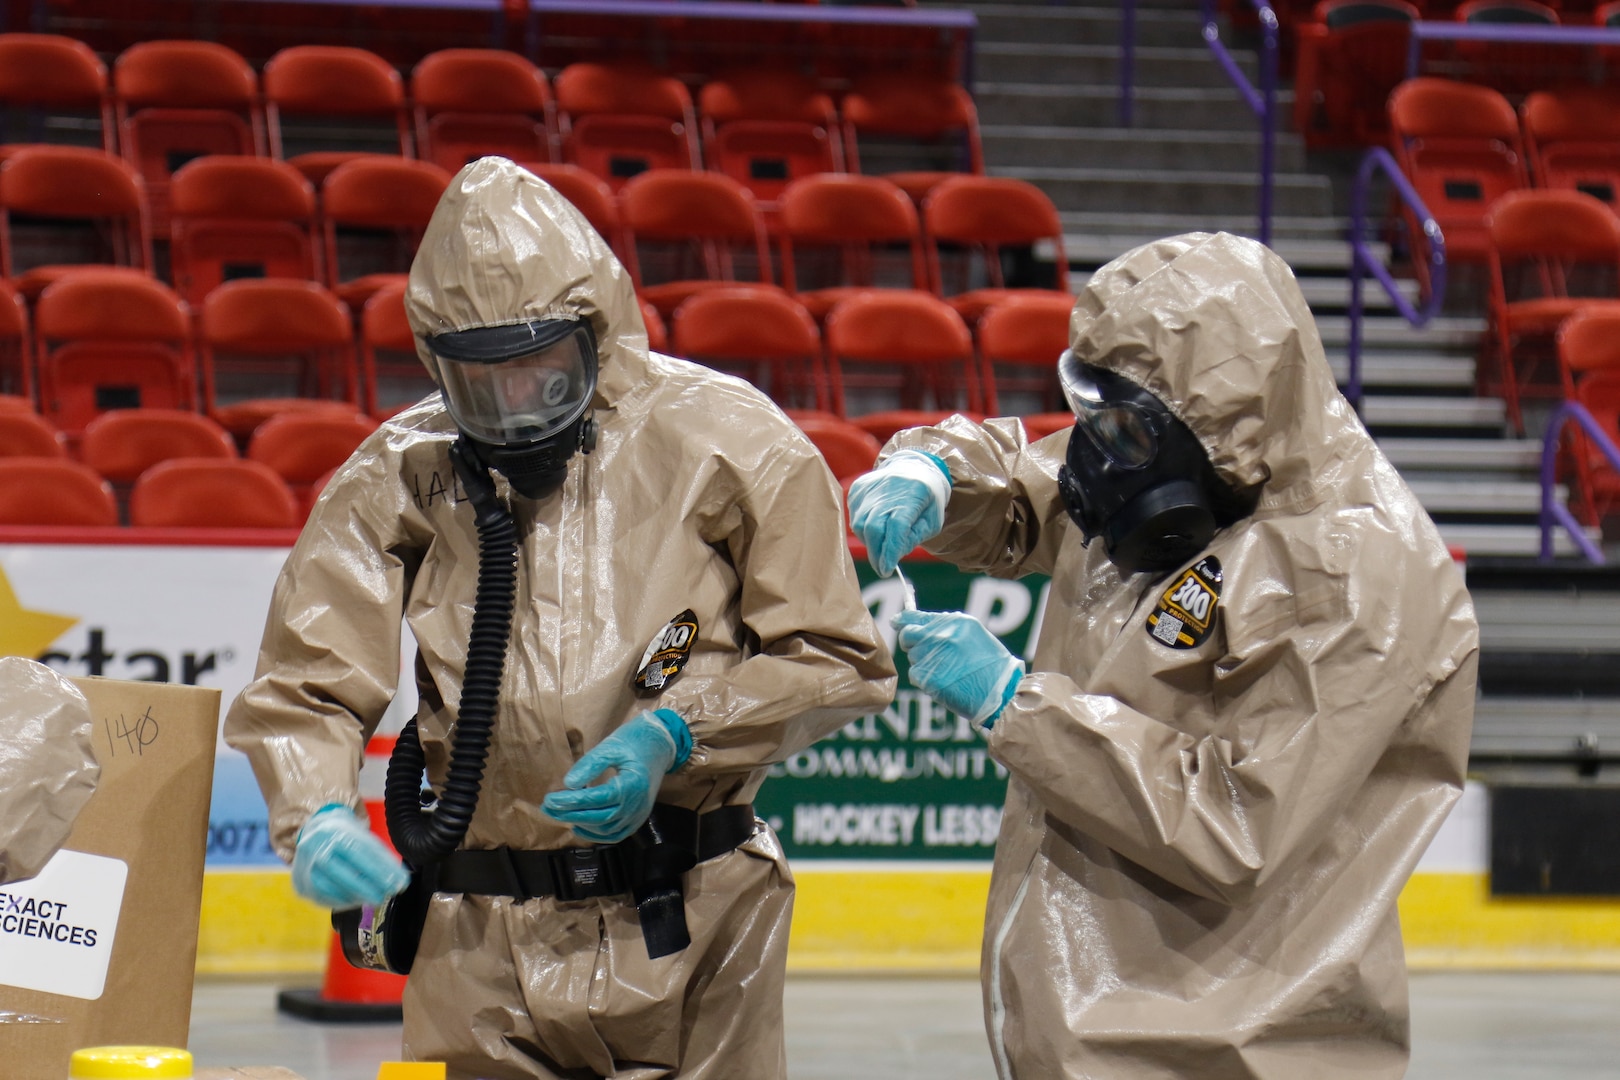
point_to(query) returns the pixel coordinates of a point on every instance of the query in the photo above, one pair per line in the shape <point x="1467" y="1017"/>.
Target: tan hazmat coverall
<point x="48" y="770"/>
<point x="1203" y="844"/>
<point x="700" y="494"/>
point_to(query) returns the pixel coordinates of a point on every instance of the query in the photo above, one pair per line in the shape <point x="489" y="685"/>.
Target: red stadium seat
<point x="1350" y="55"/>
<point x="213" y="493"/>
<point x="842" y="234"/>
<point x="657" y="333"/>
<point x="27" y="434"/>
<point x="1025" y="334"/>
<point x="16" y="351"/>
<point x="326" y="104"/>
<point x="1589" y="363"/>
<point x="273" y="346"/>
<point x="122" y="444"/>
<point x="762" y="335"/>
<point x="975" y="226"/>
<point x="473" y="103"/>
<point x="901" y="118"/>
<point x="54" y="491"/>
<point x="177" y="101"/>
<point x="373" y="211"/>
<point x="58" y="201"/>
<point x="848" y="449"/>
<point x="618" y="121"/>
<point x="392" y="376"/>
<point x="1553" y="253"/>
<point x="765" y="128"/>
<point x="1459" y="145"/>
<point x="240" y="217"/>
<point x="1572" y="140"/>
<point x="111" y="340"/>
<point x="1513" y="67"/>
<point x="58" y="73"/>
<point x="909" y="347"/>
<point x="304" y="448"/>
<point x="691" y="231"/>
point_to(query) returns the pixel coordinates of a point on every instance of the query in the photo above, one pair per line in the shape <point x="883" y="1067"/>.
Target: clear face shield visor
<point x="514" y="385"/>
<point x="1125" y="432"/>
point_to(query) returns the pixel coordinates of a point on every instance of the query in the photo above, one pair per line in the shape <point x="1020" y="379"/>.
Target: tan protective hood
<point x="504" y="247"/>
<point x="1216" y="327"/>
<point x="47" y="769"/>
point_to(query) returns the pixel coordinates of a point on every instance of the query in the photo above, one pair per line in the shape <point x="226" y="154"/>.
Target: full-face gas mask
<point x="521" y="394"/>
<point x="1136" y="475"/>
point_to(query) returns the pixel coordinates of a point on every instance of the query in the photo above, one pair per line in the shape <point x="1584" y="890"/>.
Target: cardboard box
<point x="101" y="948"/>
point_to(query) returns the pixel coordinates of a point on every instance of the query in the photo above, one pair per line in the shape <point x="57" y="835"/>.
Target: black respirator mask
<point x="1135" y="475"/>
<point x="522" y="395"/>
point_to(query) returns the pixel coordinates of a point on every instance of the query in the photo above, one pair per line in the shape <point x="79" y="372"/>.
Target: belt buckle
<point x="587" y="871"/>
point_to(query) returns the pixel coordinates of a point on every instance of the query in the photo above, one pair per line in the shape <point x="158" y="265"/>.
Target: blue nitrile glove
<point x="898" y="505"/>
<point x="956" y="660"/>
<point x="640" y="752"/>
<point x="340" y="863"/>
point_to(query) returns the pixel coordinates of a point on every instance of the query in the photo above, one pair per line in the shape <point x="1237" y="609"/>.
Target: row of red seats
<point x="1353" y="53"/>
<point x="169" y="467"/>
<point x="1588" y="349"/>
<point x="170" y="101"/>
<point x="103" y="339"/>
<point x="677" y="231"/>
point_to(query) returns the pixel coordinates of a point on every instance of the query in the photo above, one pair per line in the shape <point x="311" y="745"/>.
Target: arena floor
<point x="1466" y="1026"/>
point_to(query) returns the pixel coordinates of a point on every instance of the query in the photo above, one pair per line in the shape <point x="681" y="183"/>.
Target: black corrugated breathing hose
<point x="426" y="836"/>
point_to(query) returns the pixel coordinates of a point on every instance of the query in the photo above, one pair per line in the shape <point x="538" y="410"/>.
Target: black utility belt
<point x="672" y="842"/>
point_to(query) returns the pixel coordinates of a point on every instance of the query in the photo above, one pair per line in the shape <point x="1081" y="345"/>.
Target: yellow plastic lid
<point x="130" y="1063"/>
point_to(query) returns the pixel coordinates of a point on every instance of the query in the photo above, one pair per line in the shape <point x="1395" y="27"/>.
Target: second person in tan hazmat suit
<point x="685" y="614"/>
<point x="1249" y="707"/>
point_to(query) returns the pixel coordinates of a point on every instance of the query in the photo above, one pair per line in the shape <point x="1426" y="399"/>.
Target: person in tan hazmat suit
<point x="1249" y="707"/>
<point x="48" y="769"/>
<point x="686" y="613"/>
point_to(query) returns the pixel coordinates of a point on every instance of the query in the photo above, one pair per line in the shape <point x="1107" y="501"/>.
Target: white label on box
<point x="56" y="930"/>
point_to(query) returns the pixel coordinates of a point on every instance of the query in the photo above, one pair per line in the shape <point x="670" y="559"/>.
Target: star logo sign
<point x="23" y="632"/>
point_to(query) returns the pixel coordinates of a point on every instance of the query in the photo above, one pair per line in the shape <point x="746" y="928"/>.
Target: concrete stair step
<point x="1471" y="455"/>
<point x="1202" y="193"/>
<point x="1101" y="236"/>
<point x="1333" y="294"/>
<point x="1529" y="620"/>
<point x="1536" y="727"/>
<point x="1032" y="145"/>
<point x="1019" y="22"/>
<point x="1305" y="254"/>
<point x="1418" y="370"/>
<point x="1381" y="331"/>
<point x="1016" y="100"/>
<point x="1481" y="497"/>
<point x="1506" y="540"/>
<point x="1435" y="413"/>
<point x="1193" y="65"/>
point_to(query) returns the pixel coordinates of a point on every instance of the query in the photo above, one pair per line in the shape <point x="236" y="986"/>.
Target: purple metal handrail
<point x="1262" y="102"/>
<point x="1554" y="512"/>
<point x="1517" y="33"/>
<point x="1363" y="259"/>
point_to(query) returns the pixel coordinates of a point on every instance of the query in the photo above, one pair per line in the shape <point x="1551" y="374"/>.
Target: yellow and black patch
<point x="1185" y="614"/>
<point x="667" y="653"/>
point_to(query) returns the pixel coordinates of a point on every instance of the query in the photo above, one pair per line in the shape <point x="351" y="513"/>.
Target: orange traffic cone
<point x="349" y="994"/>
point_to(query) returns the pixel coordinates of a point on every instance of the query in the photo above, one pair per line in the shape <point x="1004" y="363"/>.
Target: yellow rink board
<point x="929" y="921"/>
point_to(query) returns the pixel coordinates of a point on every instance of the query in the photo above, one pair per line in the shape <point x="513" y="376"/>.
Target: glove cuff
<point x="322" y="812"/>
<point x="995" y="703"/>
<point x="679" y="733"/>
<point x="925" y="468"/>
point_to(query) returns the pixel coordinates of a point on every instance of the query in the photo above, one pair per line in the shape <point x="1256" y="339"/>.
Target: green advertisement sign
<point x="914" y="782"/>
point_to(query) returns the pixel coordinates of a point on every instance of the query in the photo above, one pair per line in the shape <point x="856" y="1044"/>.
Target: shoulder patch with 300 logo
<point x="1185" y="614"/>
<point x="667" y="653"/>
